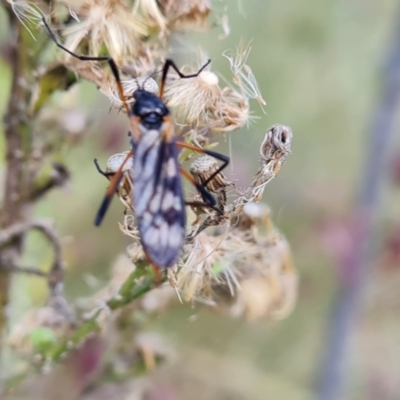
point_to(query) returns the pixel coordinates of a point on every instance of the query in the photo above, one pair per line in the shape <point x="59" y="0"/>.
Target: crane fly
<point x="157" y="191"/>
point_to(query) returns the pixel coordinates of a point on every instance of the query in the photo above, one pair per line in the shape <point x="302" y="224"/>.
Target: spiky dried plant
<point x="137" y="38"/>
<point x="234" y="259"/>
<point x="244" y="261"/>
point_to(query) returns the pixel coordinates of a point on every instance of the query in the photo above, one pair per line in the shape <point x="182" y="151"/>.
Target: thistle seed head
<point x="104" y="22"/>
<point x="203" y="169"/>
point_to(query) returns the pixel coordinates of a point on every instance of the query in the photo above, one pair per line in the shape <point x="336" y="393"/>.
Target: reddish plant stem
<point x="357" y="264"/>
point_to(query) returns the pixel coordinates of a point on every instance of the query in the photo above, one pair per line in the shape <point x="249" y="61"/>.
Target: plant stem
<point x="357" y="264"/>
<point x="15" y="129"/>
<point x="136" y="285"/>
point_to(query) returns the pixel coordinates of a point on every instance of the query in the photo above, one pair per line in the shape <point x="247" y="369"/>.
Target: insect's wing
<point x="158" y="199"/>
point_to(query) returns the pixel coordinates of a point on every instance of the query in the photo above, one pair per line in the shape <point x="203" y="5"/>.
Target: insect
<point x="157" y="191"/>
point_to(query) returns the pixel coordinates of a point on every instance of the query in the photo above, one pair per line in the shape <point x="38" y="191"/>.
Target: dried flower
<point x="202" y="169"/>
<point x="113" y="165"/>
<point x="194" y="99"/>
<point x="130" y="86"/>
<point x="242" y="272"/>
<point x="26" y="12"/>
<point x="274" y="149"/>
<point x="224" y="23"/>
<point x="231" y="112"/>
<point x="184" y="14"/>
<point x="200" y="101"/>
<point x="104" y="22"/>
<point x="151" y="13"/>
<point x="243" y="75"/>
<point x="129" y="228"/>
<point x="233" y="258"/>
<point x="244" y="266"/>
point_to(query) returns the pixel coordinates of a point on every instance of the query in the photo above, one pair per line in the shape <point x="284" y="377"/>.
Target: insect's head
<point x="149" y="108"/>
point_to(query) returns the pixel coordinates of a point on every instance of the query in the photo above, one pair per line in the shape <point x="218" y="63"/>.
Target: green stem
<point x="135" y="286"/>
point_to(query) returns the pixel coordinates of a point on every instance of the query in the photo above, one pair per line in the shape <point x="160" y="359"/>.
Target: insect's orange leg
<point x="115" y="180"/>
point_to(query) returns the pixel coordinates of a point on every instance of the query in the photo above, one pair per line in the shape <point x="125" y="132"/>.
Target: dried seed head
<point x="274" y="149"/>
<point x="130" y="86"/>
<point x="115" y="161"/>
<point x="276" y="144"/>
<point x="246" y="271"/>
<point x="193" y="99"/>
<point x="193" y="279"/>
<point x="124" y="190"/>
<point x="202" y="169"/>
<point x="272" y="297"/>
<point x="184" y="14"/>
<point x="253" y="215"/>
<point x="104" y="22"/>
<point x="231" y="112"/>
<point x="243" y="273"/>
<point x="134" y="250"/>
<point x="243" y="75"/>
<point x="26" y="12"/>
<point x="151" y="13"/>
<point x="147" y="62"/>
<point x="200" y="101"/>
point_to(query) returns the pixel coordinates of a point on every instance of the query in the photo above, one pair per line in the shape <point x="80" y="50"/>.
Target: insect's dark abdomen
<point x="158" y="198"/>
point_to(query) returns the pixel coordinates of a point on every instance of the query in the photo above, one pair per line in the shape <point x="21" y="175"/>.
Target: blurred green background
<point x="319" y="68"/>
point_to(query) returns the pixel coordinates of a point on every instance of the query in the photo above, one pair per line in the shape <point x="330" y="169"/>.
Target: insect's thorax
<point x="149" y="109"/>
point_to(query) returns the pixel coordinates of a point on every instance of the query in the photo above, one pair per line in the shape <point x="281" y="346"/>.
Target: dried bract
<point x="186" y="14"/>
<point x="151" y="13"/>
<point x="231" y="112"/>
<point x="130" y="86"/>
<point x="27" y="13"/>
<point x="244" y="266"/>
<point x="243" y="75"/>
<point x="193" y="99"/>
<point x="242" y="272"/>
<point x="104" y="22"/>
<point x="202" y="102"/>
<point x="274" y="149"/>
<point x="124" y="190"/>
<point x="202" y="169"/>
